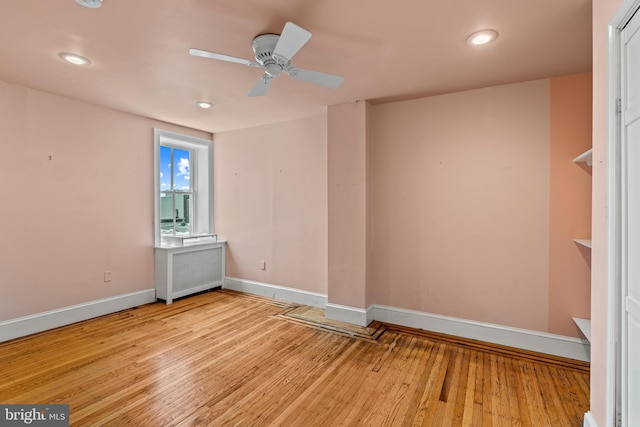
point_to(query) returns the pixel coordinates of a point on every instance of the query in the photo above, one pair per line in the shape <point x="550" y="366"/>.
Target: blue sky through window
<point x="181" y="169"/>
<point x="165" y="168"/>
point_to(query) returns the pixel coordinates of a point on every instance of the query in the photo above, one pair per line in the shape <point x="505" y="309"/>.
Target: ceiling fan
<point x="273" y="54"/>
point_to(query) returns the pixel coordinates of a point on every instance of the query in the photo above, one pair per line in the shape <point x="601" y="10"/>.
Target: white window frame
<point x="173" y="192"/>
<point x="201" y="167"/>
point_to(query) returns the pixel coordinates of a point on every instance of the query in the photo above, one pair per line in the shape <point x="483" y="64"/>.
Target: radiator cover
<point x="181" y="271"/>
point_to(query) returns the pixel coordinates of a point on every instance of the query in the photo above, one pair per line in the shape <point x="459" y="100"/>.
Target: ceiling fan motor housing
<point x="263" y="47"/>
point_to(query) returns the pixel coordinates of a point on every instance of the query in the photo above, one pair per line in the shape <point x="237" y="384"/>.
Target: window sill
<point x="192" y="246"/>
<point x="187" y="240"/>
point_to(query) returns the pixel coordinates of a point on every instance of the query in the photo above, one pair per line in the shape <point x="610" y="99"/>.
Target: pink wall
<point x="371" y="236"/>
<point x="347" y="204"/>
<point x="570" y="204"/>
<point x="603" y="11"/>
<point x="270" y="189"/>
<point x="89" y="209"/>
<point x="461" y="204"/>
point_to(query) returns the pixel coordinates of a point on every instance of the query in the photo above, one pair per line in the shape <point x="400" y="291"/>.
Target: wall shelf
<point x="585" y="157"/>
<point x="584" y="242"/>
<point x="584" y="324"/>
<point x="585" y="327"/>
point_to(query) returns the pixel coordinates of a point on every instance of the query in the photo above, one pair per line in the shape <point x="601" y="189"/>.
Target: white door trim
<point x="613" y="199"/>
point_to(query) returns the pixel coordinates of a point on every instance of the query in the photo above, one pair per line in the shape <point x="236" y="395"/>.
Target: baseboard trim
<point x="588" y="420"/>
<point x="353" y="315"/>
<point x="27" y="325"/>
<point x="525" y="339"/>
<point x="557" y="345"/>
<point x="297" y="296"/>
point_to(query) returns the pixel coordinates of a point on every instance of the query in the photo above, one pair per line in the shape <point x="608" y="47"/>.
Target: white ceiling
<point x="386" y="50"/>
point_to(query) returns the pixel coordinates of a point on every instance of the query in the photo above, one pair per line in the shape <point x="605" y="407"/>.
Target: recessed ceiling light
<point x="94" y="4"/>
<point x="204" y="104"/>
<point x="74" y="59"/>
<point x="482" y="37"/>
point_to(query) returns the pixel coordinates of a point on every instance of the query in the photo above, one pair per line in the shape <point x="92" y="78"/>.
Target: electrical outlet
<point x="263" y="265"/>
<point x="107" y="276"/>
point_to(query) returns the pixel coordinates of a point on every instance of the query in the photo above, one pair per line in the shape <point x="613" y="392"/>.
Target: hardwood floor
<point x="224" y="358"/>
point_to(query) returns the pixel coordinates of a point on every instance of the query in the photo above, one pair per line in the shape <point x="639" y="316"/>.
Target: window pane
<point x="166" y="214"/>
<point x="165" y="168"/>
<point x="181" y="170"/>
<point x="183" y="213"/>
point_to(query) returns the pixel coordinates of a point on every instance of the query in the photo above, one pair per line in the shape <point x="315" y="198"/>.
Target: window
<point x="176" y="195"/>
<point x="183" y="187"/>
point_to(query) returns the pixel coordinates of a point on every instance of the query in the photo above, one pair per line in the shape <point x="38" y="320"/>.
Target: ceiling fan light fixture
<point x="74" y="58"/>
<point x="204" y="104"/>
<point x="480" y="38"/>
<point x="93" y="4"/>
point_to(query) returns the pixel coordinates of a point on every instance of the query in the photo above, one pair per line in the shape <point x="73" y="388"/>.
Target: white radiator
<point x="181" y="271"/>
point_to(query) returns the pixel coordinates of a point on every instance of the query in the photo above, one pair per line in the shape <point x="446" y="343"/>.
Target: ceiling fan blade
<point x="291" y="40"/>
<point x="220" y="57"/>
<point x="262" y="86"/>
<point x="324" y="79"/>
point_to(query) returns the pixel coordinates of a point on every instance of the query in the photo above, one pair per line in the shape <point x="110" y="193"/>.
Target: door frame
<point x="615" y="311"/>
